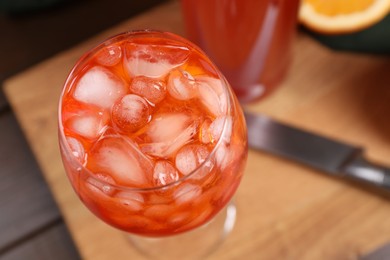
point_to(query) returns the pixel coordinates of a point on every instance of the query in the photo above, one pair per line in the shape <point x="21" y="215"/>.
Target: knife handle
<point x="361" y="169"/>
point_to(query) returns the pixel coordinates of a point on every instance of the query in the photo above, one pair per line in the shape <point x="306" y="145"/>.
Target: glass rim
<point x="84" y="58"/>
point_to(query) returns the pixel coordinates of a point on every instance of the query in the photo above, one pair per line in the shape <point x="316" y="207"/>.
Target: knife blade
<point x="319" y="152"/>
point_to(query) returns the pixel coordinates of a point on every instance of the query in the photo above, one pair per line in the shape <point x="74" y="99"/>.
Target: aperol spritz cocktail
<point x="152" y="138"/>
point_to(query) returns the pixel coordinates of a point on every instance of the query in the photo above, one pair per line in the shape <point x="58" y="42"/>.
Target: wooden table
<point x="286" y="211"/>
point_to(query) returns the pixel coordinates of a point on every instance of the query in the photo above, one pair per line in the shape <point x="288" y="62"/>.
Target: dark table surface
<point x="31" y="226"/>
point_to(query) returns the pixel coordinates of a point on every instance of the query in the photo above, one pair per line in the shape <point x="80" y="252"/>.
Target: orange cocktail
<point x="151" y="136"/>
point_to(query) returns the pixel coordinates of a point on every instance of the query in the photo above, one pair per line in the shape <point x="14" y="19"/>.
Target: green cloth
<point x="375" y="39"/>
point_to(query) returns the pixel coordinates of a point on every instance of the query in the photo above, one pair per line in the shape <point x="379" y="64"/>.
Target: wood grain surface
<point x="285" y="211"/>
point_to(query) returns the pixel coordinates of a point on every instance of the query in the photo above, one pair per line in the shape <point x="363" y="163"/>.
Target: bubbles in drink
<point x="164" y="173"/>
<point x="130" y="113"/>
<point x="182" y="85"/>
<point x="153" y="61"/>
<point x="153" y="90"/>
<point x="167" y="133"/>
<point x="109" y="55"/>
<point x="121" y="159"/>
<point x="100" y="87"/>
<point x="190" y="157"/>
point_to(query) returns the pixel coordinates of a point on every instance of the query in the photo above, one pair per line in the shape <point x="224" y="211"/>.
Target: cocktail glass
<point x="154" y="141"/>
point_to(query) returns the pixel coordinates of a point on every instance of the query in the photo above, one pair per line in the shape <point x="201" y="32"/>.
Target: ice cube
<point x="109" y="55"/>
<point x="76" y="148"/>
<point x="160" y="197"/>
<point x="201" y="218"/>
<point x="230" y="155"/>
<point x="100" y="87"/>
<point x="211" y="131"/>
<point x="159" y="212"/>
<point x="120" y="158"/>
<point x="153" y="90"/>
<point x="182" y="85"/>
<point x="212" y="95"/>
<point x="130" y="113"/>
<point x="190" y="157"/>
<point x="179" y="218"/>
<point x="89" y="124"/>
<point x="164" y="173"/>
<point x="168" y="133"/>
<point x="130" y="200"/>
<point x="100" y="184"/>
<point x="187" y="192"/>
<point x="221" y="125"/>
<point x="154" y="61"/>
<point x="204" y="132"/>
<point x="223" y="156"/>
<point x="139" y="222"/>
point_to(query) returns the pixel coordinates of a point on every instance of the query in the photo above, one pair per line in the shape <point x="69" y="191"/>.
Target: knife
<point x="319" y="152"/>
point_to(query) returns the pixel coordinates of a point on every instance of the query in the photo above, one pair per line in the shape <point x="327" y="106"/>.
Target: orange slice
<point x="342" y="16"/>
